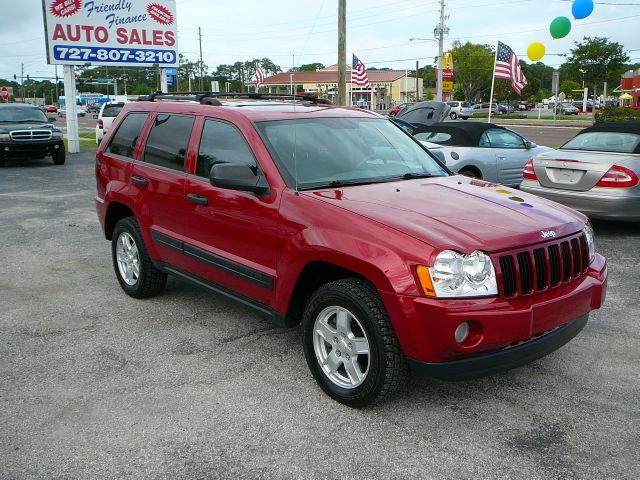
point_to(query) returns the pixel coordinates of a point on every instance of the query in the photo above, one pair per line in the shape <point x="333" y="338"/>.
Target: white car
<point x="81" y="112"/>
<point x="462" y="110"/>
<point x="108" y="112"/>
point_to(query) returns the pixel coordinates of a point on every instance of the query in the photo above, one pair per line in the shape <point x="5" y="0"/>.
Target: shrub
<point x="611" y="114"/>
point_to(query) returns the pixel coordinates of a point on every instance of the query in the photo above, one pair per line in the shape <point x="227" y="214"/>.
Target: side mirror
<point x="52" y="119"/>
<point x="237" y="177"/>
<point x="529" y="145"/>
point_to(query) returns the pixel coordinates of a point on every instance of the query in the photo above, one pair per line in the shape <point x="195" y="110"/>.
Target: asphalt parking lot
<point x="95" y="384"/>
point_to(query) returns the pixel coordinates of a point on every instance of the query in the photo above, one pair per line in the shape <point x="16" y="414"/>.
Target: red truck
<point x="338" y="219"/>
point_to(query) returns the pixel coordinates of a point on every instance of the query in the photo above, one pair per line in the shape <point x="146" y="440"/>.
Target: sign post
<point x="70" y="96"/>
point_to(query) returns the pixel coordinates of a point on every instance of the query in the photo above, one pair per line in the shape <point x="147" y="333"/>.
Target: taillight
<point x="618" y="177"/>
<point x="529" y="173"/>
<point x="100" y="124"/>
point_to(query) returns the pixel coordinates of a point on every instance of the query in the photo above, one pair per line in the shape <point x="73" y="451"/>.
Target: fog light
<point x="6" y="149"/>
<point x="462" y="332"/>
<point x="57" y="147"/>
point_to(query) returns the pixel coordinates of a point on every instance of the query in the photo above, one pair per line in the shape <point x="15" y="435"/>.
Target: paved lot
<point x="94" y="384"/>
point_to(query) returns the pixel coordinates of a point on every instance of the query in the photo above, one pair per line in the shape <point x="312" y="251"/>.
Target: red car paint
<point x="380" y="232"/>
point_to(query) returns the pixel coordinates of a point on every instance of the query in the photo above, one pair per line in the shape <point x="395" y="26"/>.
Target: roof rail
<point x="210" y="98"/>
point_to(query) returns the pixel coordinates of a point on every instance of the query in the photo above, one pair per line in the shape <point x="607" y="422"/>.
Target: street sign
<point x="131" y="32"/>
<point x="555" y="82"/>
<point x="4" y="91"/>
<point x="447" y="86"/>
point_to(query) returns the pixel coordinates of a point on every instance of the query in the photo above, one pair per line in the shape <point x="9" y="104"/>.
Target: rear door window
<point x="112" y="110"/>
<point x="168" y="141"/>
<point x="124" y="141"/>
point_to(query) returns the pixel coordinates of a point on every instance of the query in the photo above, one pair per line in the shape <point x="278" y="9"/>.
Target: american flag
<point x="359" y="73"/>
<point x="508" y="66"/>
<point x="259" y="77"/>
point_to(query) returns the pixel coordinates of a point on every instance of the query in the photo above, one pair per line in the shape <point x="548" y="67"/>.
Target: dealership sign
<point x="111" y="32"/>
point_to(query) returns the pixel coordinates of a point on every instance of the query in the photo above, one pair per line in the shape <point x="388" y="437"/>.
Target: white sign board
<point x="111" y="32"/>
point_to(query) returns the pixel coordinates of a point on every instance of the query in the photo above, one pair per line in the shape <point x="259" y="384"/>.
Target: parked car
<point x="50" y="109"/>
<point x="481" y="150"/>
<point x="108" y="113"/>
<point x="595" y="172"/>
<point x="566" y="108"/>
<point x="94" y="108"/>
<point x="337" y="219"/>
<point x="26" y="132"/>
<point x="579" y="104"/>
<point x="399" y="108"/>
<point x="62" y="112"/>
<point x="463" y="110"/>
<point x="503" y="108"/>
<point x="483" y="109"/>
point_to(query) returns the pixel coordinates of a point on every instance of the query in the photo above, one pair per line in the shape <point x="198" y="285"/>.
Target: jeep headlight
<point x="4" y="137"/>
<point x="454" y="275"/>
<point x="57" y="136"/>
<point x="591" y="243"/>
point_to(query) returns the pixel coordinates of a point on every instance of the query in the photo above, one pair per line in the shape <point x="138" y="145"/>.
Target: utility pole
<point x="440" y="36"/>
<point x="201" y="64"/>
<point x="22" y="82"/>
<point x="417" y="81"/>
<point x="342" y="52"/>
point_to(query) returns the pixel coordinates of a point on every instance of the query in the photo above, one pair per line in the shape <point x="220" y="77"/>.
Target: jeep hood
<point x="458" y="213"/>
<point x="10" y="127"/>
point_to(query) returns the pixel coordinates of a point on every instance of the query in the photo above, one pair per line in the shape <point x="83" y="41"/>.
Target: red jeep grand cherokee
<point x="336" y="218"/>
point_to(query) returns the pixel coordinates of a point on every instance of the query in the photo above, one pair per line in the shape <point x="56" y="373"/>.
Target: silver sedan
<point x="596" y="172"/>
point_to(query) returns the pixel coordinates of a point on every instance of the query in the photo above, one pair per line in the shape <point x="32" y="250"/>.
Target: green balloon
<point x="560" y="27"/>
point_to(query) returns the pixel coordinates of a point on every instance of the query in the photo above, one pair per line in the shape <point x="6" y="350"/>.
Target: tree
<point x="599" y="60"/>
<point x="473" y="65"/>
<point x="309" y="67"/>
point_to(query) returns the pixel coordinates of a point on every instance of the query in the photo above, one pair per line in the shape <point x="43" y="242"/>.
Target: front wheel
<point x="59" y="156"/>
<point x="349" y="343"/>
<point x="134" y="269"/>
<point x="453" y="115"/>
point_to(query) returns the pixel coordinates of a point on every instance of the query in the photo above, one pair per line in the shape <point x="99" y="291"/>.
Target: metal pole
<point x="417" y="81"/>
<point x="493" y="83"/>
<point x="72" y="111"/>
<point x="342" y="52"/>
<point x="440" y="50"/>
<point x="22" y="82"/>
<point x="201" y="63"/>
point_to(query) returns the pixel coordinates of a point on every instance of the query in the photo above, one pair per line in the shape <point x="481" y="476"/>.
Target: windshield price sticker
<point x="111" y="32"/>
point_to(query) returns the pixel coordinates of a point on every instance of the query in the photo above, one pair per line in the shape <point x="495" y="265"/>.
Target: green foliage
<point x="601" y="60"/>
<point x="611" y="114"/>
<point x="568" y="86"/>
<point x="473" y="65"/>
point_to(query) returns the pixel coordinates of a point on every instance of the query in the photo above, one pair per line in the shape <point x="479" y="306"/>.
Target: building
<point x="630" y="89"/>
<point x="386" y="87"/>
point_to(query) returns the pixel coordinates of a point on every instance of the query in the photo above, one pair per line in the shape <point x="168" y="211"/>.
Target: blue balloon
<point x="582" y="8"/>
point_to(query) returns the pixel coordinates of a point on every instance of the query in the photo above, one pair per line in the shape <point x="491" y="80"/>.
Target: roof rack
<point x="210" y="98"/>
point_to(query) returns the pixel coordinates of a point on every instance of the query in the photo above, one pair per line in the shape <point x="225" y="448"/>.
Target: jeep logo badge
<point x="548" y="234"/>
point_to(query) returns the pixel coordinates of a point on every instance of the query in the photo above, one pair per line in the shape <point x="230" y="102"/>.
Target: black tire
<point x="470" y="172"/>
<point x="150" y="281"/>
<point x="453" y="116"/>
<point x="465" y="118"/>
<point x="59" y="156"/>
<point x="386" y="366"/>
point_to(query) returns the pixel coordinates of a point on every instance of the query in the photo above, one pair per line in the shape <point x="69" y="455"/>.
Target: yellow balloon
<point x="535" y="51"/>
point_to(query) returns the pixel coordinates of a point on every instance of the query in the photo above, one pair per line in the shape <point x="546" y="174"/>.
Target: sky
<point x="378" y="31"/>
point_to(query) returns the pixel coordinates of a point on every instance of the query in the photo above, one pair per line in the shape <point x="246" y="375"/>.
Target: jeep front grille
<point x="30" y="135"/>
<point x="540" y="267"/>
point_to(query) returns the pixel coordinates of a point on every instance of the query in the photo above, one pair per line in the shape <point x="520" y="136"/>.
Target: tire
<point x="465" y="118"/>
<point x="453" y="116"/>
<point x="340" y="318"/>
<point x="59" y="157"/>
<point x="469" y="172"/>
<point x="135" y="271"/>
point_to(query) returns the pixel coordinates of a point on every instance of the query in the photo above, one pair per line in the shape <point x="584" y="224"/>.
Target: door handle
<point x="199" y="199"/>
<point x="139" y="181"/>
<point x="501" y="158"/>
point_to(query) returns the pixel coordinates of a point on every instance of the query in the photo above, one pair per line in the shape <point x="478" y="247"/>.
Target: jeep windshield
<point x="22" y="115"/>
<point x="325" y="152"/>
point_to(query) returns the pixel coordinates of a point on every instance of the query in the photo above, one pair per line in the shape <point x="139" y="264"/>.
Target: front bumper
<point x="508" y="332"/>
<point x="594" y="205"/>
<point x="30" y="148"/>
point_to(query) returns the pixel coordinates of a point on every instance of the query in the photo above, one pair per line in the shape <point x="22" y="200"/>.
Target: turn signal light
<point x="425" y="281"/>
<point x="529" y="173"/>
<point x="618" y="176"/>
